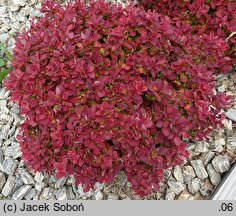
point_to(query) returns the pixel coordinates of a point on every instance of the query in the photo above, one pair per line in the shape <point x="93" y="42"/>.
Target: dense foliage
<point x="204" y="16"/>
<point x="105" y="89"/>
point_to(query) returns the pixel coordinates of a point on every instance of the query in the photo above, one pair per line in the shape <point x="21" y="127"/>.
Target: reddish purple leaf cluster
<point x="205" y="16"/>
<point x="106" y="89"/>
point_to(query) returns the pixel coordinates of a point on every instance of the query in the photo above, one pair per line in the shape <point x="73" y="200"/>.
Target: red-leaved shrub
<point x="105" y="89"/>
<point x="205" y="16"/>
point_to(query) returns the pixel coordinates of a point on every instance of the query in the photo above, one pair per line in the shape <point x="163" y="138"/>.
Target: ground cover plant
<point x="5" y="56"/>
<point x="105" y="88"/>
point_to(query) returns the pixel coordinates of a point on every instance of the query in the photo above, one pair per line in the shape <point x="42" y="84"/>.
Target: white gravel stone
<point x="199" y="169"/>
<point x="2" y="93"/>
<point x="228" y="124"/>
<point x="9" y="166"/>
<point x="194" y="185"/>
<point x="201" y="146"/>
<point x="215" y="177"/>
<point x="188" y="174"/>
<point x="2" y="180"/>
<point x="185" y="195"/>
<point x="207" y="157"/>
<point x="15" y="109"/>
<point x="21" y="192"/>
<point x="70" y="194"/>
<point x="5" y="119"/>
<point x="48" y="193"/>
<point x="4" y="132"/>
<point x="60" y="194"/>
<point x="191" y="146"/>
<point x="232" y="141"/>
<point x="15" y="8"/>
<point x="206" y="188"/>
<point x="6" y="94"/>
<point x="176" y="187"/>
<point x="13" y="151"/>
<point x="218" y="145"/>
<point x="81" y="192"/>
<point x="3" y="10"/>
<point x="1" y="160"/>
<point x="30" y="195"/>
<point x="231" y="114"/>
<point x="221" y="163"/>
<point x="115" y="196"/>
<point x="167" y="174"/>
<point x="36" y="13"/>
<point x="11" y="133"/>
<point x="98" y="195"/>
<point x="40" y="185"/>
<point x="99" y="185"/>
<point x="60" y="182"/>
<point x="8" y="187"/>
<point x="18" y="2"/>
<point x="8" y="142"/>
<point x="4" y="38"/>
<point x="26" y="177"/>
<point x="18" y="182"/>
<point x="170" y="195"/>
<point x="39" y="177"/>
<point x="3" y="103"/>
<point x="178" y="174"/>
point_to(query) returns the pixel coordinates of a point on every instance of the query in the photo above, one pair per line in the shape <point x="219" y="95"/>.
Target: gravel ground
<point x="196" y="179"/>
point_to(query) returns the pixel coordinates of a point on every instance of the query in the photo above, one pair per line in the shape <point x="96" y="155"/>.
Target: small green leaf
<point x="102" y="51"/>
<point x="3" y="73"/>
<point x="2" y="62"/>
<point x="6" y="51"/>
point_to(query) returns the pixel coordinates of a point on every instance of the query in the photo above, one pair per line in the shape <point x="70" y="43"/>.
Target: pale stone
<point x="188" y="174"/>
<point x="215" y="177"/>
<point x="170" y="195"/>
<point x="178" y="174"/>
<point x="199" y="169"/>
<point x="2" y="180"/>
<point x="39" y="177"/>
<point x="13" y="151"/>
<point x="221" y="163"/>
<point x="60" y="194"/>
<point x="176" y="187"/>
<point x="60" y="182"/>
<point x="30" y="195"/>
<point x="40" y="185"/>
<point x="194" y="185"/>
<point x="185" y="195"/>
<point x="9" y="166"/>
<point x="98" y="195"/>
<point x="9" y="185"/>
<point x="26" y="177"/>
<point x="47" y="193"/>
<point x="207" y="157"/>
<point x="69" y="193"/>
<point x="21" y="192"/>
<point x="113" y="197"/>
<point x="206" y="188"/>
<point x="201" y="146"/>
<point x="231" y="114"/>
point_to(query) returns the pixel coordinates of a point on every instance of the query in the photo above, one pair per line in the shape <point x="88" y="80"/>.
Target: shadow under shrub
<point x="105" y="89"/>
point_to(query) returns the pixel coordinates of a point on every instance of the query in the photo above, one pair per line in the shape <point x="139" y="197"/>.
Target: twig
<point x="231" y="35"/>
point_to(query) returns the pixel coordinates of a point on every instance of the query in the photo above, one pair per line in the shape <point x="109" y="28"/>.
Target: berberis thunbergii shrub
<point x="105" y="89"/>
